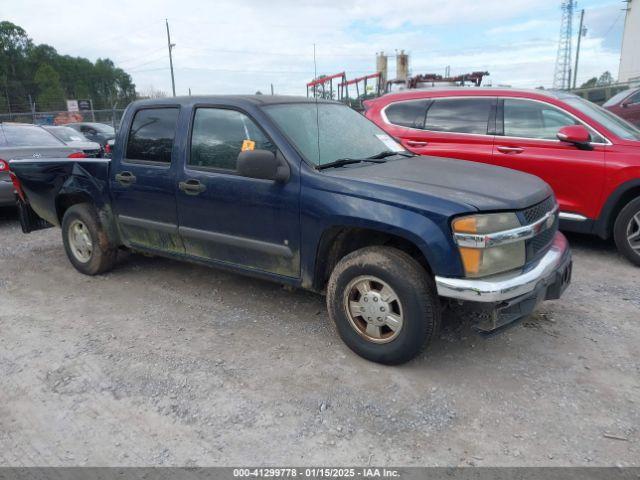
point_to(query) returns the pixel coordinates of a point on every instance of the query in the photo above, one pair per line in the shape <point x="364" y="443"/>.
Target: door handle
<point x="503" y="149"/>
<point x="125" y="178"/>
<point x="192" y="187"/>
<point x="416" y="143"/>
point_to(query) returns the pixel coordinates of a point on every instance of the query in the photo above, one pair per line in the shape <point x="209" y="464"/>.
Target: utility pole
<point x="32" y="106"/>
<point x="582" y="31"/>
<point x="93" y="113"/>
<point x="171" y="45"/>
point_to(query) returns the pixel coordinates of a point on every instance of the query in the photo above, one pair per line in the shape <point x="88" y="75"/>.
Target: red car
<point x="589" y="156"/>
<point x="626" y="104"/>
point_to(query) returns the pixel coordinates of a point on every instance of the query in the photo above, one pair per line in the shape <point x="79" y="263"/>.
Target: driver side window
<point x="219" y="135"/>
<point x="633" y="99"/>
<point x="528" y="119"/>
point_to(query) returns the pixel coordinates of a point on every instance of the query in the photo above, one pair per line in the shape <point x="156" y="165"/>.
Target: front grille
<point x="538" y="245"/>
<point x="535" y="213"/>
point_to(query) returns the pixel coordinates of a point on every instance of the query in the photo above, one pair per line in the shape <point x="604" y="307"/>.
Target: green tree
<point x="602" y="81"/>
<point x="605" y="79"/>
<point x="23" y="75"/>
<point x="590" y="83"/>
<point x="51" y="95"/>
<point x="14" y="44"/>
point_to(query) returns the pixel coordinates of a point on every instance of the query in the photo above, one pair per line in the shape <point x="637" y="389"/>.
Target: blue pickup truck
<point x="313" y="195"/>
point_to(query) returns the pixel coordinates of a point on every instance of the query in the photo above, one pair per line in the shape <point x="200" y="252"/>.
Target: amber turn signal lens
<point x="465" y="225"/>
<point x="471" y="259"/>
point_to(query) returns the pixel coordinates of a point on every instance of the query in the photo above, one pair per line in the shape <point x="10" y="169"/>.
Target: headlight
<point x="482" y="254"/>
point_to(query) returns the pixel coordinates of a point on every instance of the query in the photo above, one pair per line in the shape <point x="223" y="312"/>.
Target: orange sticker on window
<point x="248" y="145"/>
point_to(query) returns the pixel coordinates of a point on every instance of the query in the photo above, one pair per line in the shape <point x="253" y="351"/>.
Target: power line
<point x="613" y="24"/>
<point x="135" y="67"/>
<point x="137" y="57"/>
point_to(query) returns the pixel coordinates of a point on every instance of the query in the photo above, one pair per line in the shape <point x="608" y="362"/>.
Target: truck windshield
<point x="332" y="132"/>
<point x="610" y="121"/>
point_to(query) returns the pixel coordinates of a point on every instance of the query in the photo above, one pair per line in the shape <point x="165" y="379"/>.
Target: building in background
<point x="630" y="54"/>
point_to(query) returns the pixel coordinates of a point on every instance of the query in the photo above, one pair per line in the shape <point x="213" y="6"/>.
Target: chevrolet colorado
<point x="310" y="194"/>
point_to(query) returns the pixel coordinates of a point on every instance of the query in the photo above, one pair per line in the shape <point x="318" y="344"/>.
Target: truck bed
<point x="46" y="182"/>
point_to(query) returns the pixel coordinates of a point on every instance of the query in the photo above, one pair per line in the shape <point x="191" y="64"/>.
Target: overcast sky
<point x="242" y="46"/>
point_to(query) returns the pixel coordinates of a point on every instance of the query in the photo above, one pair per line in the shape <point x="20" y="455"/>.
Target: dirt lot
<point x="165" y="363"/>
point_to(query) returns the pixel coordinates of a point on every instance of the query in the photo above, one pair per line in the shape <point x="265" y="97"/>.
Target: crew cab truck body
<point x="312" y="195"/>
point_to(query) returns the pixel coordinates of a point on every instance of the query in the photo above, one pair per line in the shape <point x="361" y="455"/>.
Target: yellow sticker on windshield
<point x="248" y="145"/>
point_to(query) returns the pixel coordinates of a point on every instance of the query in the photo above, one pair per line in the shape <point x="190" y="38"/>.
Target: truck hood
<point x="485" y="187"/>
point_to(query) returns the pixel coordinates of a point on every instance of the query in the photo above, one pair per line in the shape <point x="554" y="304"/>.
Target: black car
<point x="94" y="131"/>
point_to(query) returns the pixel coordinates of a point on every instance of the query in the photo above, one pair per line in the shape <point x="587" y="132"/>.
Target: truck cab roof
<point x="254" y="100"/>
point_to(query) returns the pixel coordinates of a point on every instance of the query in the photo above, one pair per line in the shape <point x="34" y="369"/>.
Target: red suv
<point x="589" y="156"/>
<point x="626" y="104"/>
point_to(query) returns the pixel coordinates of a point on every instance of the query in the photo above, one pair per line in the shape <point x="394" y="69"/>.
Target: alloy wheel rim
<point x="633" y="233"/>
<point x="374" y="309"/>
<point x="80" y="241"/>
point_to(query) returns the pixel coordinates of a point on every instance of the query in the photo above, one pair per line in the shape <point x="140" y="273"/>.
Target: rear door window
<point x="151" y="136"/>
<point x="460" y="115"/>
<point x="408" y="114"/>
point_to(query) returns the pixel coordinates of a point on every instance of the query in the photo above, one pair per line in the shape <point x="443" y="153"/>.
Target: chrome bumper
<point x="500" y="288"/>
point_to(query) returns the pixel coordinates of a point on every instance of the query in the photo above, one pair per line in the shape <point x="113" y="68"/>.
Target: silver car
<point x="22" y="140"/>
<point x="73" y="138"/>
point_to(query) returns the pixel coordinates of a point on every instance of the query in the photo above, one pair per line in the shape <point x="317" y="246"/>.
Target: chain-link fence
<point x="111" y="117"/>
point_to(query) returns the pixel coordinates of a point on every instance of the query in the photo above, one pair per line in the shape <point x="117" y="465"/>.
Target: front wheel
<point x="85" y="241"/>
<point x="626" y="231"/>
<point x="383" y="304"/>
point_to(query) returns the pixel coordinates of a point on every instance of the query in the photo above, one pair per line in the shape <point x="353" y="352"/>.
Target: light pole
<point x="582" y="31"/>
<point x="171" y="45"/>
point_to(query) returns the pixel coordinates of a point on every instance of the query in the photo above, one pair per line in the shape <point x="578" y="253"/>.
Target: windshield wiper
<point x="390" y="153"/>
<point x="377" y="158"/>
<point x="347" y="161"/>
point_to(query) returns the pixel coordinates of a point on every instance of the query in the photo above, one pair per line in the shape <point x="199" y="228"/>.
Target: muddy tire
<point x="626" y="231"/>
<point x="383" y="304"/>
<point x="85" y="241"/>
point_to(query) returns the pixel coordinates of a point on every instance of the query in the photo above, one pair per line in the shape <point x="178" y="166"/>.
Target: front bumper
<point x="514" y="295"/>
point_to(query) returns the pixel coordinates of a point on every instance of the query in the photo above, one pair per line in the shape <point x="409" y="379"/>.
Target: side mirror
<point x="625" y="104"/>
<point x="264" y="165"/>
<point x="576" y="134"/>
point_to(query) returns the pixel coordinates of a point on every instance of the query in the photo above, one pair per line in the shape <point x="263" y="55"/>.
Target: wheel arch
<point x="69" y="197"/>
<point x="66" y="200"/>
<point x="340" y="240"/>
<point x="620" y="197"/>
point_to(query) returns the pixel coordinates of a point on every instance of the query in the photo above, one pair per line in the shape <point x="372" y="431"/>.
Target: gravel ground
<point x="165" y="363"/>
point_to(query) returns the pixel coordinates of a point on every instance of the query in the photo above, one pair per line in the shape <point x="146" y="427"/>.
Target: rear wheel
<point x="626" y="231"/>
<point x="85" y="241"/>
<point x="383" y="304"/>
